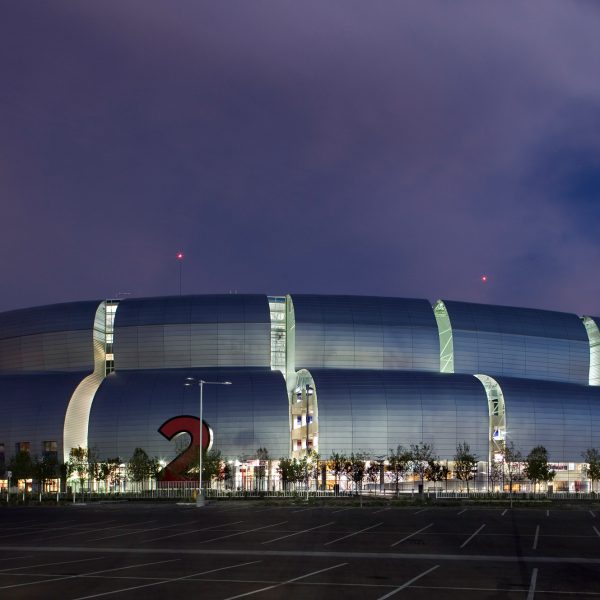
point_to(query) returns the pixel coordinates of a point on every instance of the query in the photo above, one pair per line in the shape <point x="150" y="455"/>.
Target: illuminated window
<point x="23" y="447"/>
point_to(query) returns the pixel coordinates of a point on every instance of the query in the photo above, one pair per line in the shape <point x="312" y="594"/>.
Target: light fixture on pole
<point x="189" y="381"/>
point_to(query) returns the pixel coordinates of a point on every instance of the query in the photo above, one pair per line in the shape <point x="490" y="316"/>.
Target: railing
<point x="443" y="495"/>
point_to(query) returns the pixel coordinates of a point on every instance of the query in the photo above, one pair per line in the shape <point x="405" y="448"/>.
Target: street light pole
<point x="201" y="383"/>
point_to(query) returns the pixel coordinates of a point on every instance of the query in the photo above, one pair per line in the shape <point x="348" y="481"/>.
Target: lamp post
<point x="201" y="383"/>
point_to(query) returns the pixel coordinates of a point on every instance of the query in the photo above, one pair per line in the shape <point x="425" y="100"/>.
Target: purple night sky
<point x="382" y="148"/>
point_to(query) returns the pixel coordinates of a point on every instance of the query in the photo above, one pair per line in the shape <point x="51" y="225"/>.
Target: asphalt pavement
<point x="240" y="550"/>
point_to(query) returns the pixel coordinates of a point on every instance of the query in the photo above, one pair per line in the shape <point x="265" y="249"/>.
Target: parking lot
<point x="239" y="550"/>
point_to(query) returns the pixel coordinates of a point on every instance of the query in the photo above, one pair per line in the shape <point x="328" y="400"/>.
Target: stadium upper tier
<point x="333" y="373"/>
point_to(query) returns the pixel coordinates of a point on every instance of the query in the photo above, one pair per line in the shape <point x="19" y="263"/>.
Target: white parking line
<point x="189" y="531"/>
<point x="531" y="592"/>
<point x="504" y="512"/>
<point x="411" y="535"/>
<point x="138" y="587"/>
<point x="134" y="531"/>
<point x="304" y="509"/>
<point x="471" y="537"/>
<point x="342" y="510"/>
<point x="242" y="532"/>
<point x="535" y="539"/>
<point x="462" y="511"/>
<point x="298" y="533"/>
<point x="597" y="532"/>
<point x="270" y="587"/>
<point x="352" y="534"/>
<point x="547" y="513"/>
<point x="15" y="557"/>
<point x="382" y="510"/>
<point x="63" y="562"/>
<point x="409" y="582"/>
<point x="420" y="511"/>
<point x="593" y="513"/>
<point x="4" y="587"/>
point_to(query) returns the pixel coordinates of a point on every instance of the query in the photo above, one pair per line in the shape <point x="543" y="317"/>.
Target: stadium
<point x="329" y="374"/>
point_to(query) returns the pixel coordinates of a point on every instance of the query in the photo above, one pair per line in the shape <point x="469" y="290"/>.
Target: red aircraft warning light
<point x="484" y="278"/>
<point x="179" y="256"/>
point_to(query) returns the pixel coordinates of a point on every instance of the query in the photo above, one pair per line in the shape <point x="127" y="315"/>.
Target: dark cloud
<point x="377" y="148"/>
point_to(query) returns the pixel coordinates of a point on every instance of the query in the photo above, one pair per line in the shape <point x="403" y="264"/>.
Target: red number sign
<point x="176" y="469"/>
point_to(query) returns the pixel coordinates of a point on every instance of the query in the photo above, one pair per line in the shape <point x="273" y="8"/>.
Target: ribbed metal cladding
<point x="48" y="338"/>
<point x="34" y="409"/>
<point x="519" y="342"/>
<point x="365" y="332"/>
<point x="229" y="330"/>
<point x="562" y="417"/>
<point x="375" y="411"/>
<point x="593" y="331"/>
<point x="130" y="406"/>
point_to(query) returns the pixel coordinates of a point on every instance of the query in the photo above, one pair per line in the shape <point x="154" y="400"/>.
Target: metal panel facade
<point x="251" y="413"/>
<point x="33" y="409"/>
<point x="519" y="342"/>
<point x="364" y="332"/>
<point x="230" y="330"/>
<point x="373" y="411"/>
<point x="564" y="418"/>
<point x="48" y="338"/>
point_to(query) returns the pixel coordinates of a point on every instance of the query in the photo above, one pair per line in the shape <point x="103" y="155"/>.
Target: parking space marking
<point x="190" y="531"/>
<point x="93" y="530"/>
<point x="35" y="532"/>
<point x="411" y="535"/>
<point x="382" y="510"/>
<point x="298" y="532"/>
<point x="79" y="575"/>
<point x="504" y="512"/>
<point x="536" y="537"/>
<point x="15" y="557"/>
<point x="155" y="583"/>
<point x="593" y="513"/>
<point x="420" y="511"/>
<point x="547" y="513"/>
<point x="242" y="532"/>
<point x="270" y="587"/>
<point x="409" y="582"/>
<point x="471" y="536"/>
<point x="352" y="534"/>
<point x="304" y="509"/>
<point x="342" y="510"/>
<point x="134" y="531"/>
<point x="531" y="592"/>
<point x="597" y="532"/>
<point x="462" y="511"/>
<point x="63" y="562"/>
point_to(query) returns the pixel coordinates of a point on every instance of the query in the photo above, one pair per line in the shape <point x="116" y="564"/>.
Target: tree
<point x="421" y="454"/>
<point x="592" y="468"/>
<point x="495" y="472"/>
<point x="45" y="469"/>
<point x="399" y="462"/>
<point x="141" y="467"/>
<point x="435" y="471"/>
<point x="78" y="464"/>
<point x="291" y="470"/>
<point x="311" y="464"/>
<point x="21" y="466"/>
<point x="464" y="463"/>
<point x="374" y="471"/>
<point x="336" y="464"/>
<point x="108" y="472"/>
<point x="354" y="468"/>
<point x="511" y="458"/>
<point x="264" y="466"/>
<point x="537" y="468"/>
